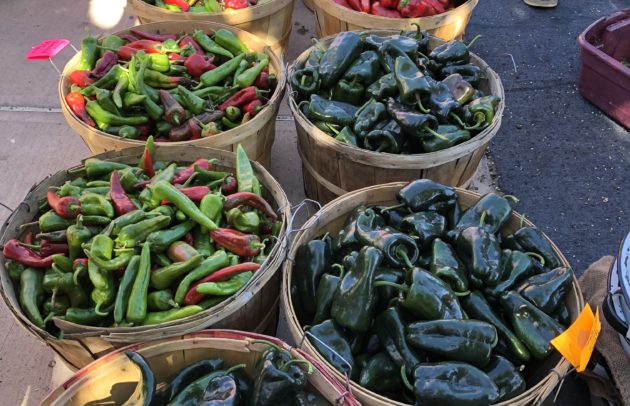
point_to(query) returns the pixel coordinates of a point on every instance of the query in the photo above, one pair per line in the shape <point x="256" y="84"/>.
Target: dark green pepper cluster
<point x="277" y="378"/>
<point x="423" y="302"/>
<point x="150" y="243"/>
<point x="384" y="94"/>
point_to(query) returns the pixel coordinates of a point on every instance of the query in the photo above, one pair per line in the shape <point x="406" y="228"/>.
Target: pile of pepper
<point x="279" y="379"/>
<point x="176" y="88"/>
<point x="424" y="303"/>
<point x="384" y="94"/>
<point x="202" y="6"/>
<point x="400" y="8"/>
<point x="123" y="245"/>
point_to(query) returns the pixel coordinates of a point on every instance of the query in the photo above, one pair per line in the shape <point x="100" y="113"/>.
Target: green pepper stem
<point x="309" y="369"/>
<point x="401" y="253"/>
<point x="333" y="129"/>
<point x="394" y="207"/>
<point x="434" y="133"/>
<point x="49" y="317"/>
<point x="78" y="169"/>
<point x="418" y="31"/>
<point x="420" y="106"/>
<point x="57" y="270"/>
<point x="234" y="368"/>
<point x="472" y="41"/>
<point x="462" y="294"/>
<point x="458" y="119"/>
<point x="341" y="269"/>
<point x="75" y="276"/>
<point x="269" y="344"/>
<point x="513" y="198"/>
<point x="522" y="221"/>
<point x="172" y="303"/>
<point x="382" y="147"/>
<point x="403" y="375"/>
<point x="318" y="44"/>
<point x="482" y="219"/>
<point x="392" y="285"/>
<point x="537" y="256"/>
<point x="98" y="311"/>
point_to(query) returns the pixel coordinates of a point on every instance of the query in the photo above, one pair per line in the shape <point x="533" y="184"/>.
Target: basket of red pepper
<point x="445" y="19"/>
<point x="203" y="84"/>
<point x="144" y="243"/>
<point x="269" y="20"/>
<point x="207" y="367"/>
<point x="422" y="293"/>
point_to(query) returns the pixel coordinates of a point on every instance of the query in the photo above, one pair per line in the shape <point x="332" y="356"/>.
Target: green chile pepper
<point x="446" y="265"/>
<point x="311" y="261"/>
<point x="390" y="328"/>
<point x="246" y="222"/>
<point x="159" y="241"/>
<point x="86" y="317"/>
<point x="166" y="316"/>
<point x="547" y="290"/>
<point x="163" y="277"/>
<point x="481" y="252"/>
<point x="383" y="88"/>
<point x="368" y="116"/>
<point x="161" y="300"/>
<point x="124" y="290"/>
<point x="31" y="294"/>
<point x="380" y="374"/>
<point x="137" y="307"/>
<point x="211" y="264"/>
<point x="344" y="49"/>
<point x="506" y="376"/>
<point x="328" y="111"/>
<point x="365" y="69"/>
<point x="133" y="234"/>
<point x="329" y="335"/>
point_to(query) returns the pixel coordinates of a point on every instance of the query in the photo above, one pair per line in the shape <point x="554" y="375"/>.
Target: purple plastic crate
<point x="604" y="80"/>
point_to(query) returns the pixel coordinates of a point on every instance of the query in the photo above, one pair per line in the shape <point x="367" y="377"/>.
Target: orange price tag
<point x="577" y="342"/>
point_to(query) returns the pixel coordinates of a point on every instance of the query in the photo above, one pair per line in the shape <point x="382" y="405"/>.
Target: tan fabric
<point x="594" y="283"/>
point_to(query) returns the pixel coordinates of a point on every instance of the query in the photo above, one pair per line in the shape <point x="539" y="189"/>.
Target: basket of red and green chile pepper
<point x="146" y="238"/>
<point x="201" y="6"/>
<point x="195" y="83"/>
<point x="218" y="367"/>
<point x="393" y="93"/>
<point x="400" y="8"/>
<point x="429" y="294"/>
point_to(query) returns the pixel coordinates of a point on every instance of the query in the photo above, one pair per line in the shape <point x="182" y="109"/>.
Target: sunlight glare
<point x="106" y="14"/>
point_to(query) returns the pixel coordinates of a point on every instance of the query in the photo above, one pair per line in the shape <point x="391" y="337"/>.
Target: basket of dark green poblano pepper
<point x="218" y="367"/>
<point x="406" y="105"/>
<point x="127" y="245"/>
<point x="425" y="293"/>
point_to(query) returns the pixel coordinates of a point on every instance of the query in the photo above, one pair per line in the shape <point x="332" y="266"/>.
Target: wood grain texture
<point x="333" y="18"/>
<point x="256" y="136"/>
<point x="330" y="219"/>
<point x="255" y="307"/>
<point x="106" y="378"/>
<point x="332" y="168"/>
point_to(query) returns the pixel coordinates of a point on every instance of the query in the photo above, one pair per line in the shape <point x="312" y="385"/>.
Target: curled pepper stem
<point x="401" y="253"/>
<point x="318" y="44"/>
<point x="458" y="119"/>
<point x="420" y="106"/>
<point x="522" y="221"/>
<point x="75" y="276"/>
<point x="537" y="256"/>
<point x="482" y="219"/>
<point x="392" y="285"/>
<point x="462" y="294"/>
<point x="309" y="366"/>
<point x="472" y="41"/>
<point x="513" y="198"/>
<point x="269" y="344"/>
<point x="434" y="133"/>
<point x="49" y="317"/>
<point x="234" y="368"/>
<point x="341" y="269"/>
<point x="394" y="207"/>
<point x="418" y="33"/>
<point x="403" y="376"/>
<point x="98" y="311"/>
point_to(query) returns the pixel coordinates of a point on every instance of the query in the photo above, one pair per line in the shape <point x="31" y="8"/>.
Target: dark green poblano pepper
<point x="390" y="328"/>
<point x="333" y="112"/>
<point x="311" y="261"/>
<point x="481" y="112"/>
<point x="346" y="136"/>
<point x="368" y="116"/>
<point x="480" y="251"/>
<point x="329" y="335"/>
<point x="386" y="136"/>
<point x="425" y="226"/>
<point x="531" y="239"/>
<point x="345" y="240"/>
<point x="516" y="266"/>
<point x="380" y="374"/>
<point x="365" y="69"/>
<point x="424" y="194"/>
<point x="347" y="91"/>
<point x="452" y="52"/>
<point x="506" y="376"/>
<point x="495" y="209"/>
<point x="469" y="72"/>
<point x="383" y="88"/>
<point x="449" y="136"/>
<point x="547" y="290"/>
<point x="344" y="49"/>
<point x="446" y="265"/>
<point x="460" y="89"/>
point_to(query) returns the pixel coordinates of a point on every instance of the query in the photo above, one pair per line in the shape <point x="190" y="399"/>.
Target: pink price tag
<point x="47" y="49"/>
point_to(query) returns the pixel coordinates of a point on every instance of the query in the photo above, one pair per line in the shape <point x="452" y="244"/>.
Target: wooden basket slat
<point x="256" y="136"/>
<point x="270" y="21"/>
<point x="252" y="309"/>
<point x="330" y="220"/>
<point x="332" y="18"/>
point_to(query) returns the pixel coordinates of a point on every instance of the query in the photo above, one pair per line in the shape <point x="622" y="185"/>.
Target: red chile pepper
<point x="188" y="40"/>
<point x="147" y="164"/>
<point x="145" y="129"/>
<point x="174" y="113"/>
<point x="243" y="96"/>
<point x="355" y="4"/>
<point x="365" y="6"/>
<point x="152" y="36"/>
<point x="379" y="10"/>
<point x="188" y="238"/>
<point x="173" y="57"/>
<point x="180" y="133"/>
<point x="195" y="129"/>
<point x="243" y="245"/>
<point x="107" y="61"/>
<point x="179" y="3"/>
<point x="251" y="200"/>
<point x="183" y="175"/>
<point x="197" y="64"/>
<point x="194" y="193"/>
<point x="393" y="4"/>
<point x="128" y="37"/>
<point x="120" y="200"/>
<point x="414" y="8"/>
<point x="147" y="45"/>
<point x="81" y="78"/>
<point x="194" y="297"/>
<point x="253" y="107"/>
<point x="235" y="4"/>
<point x="229" y="186"/>
<point x="125" y="53"/>
<point x="28" y="238"/>
<point x="67" y="207"/>
<point x="437" y="6"/>
<point x="77" y="104"/>
<point x="13" y="250"/>
<point x="265" y="80"/>
<point x="47" y="248"/>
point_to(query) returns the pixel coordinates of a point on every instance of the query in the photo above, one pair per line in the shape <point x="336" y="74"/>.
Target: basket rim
<point x="539" y="391"/>
<point x="230" y="305"/>
<point x="398" y="161"/>
<point x="273" y="5"/>
<point x="357" y="17"/>
<point x="257" y="121"/>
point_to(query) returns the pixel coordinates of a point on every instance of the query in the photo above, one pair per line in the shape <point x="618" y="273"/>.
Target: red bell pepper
<point x="379" y="10"/>
<point x="81" y="78"/>
<point x="47" y="248"/>
<point x="14" y="251"/>
<point x="235" y="4"/>
<point x="193" y="297"/>
<point x="179" y="3"/>
<point x="189" y="40"/>
<point x="242" y="97"/>
<point x="152" y="36"/>
<point x="66" y="207"/>
<point x="121" y="202"/>
<point x="183" y="175"/>
<point x="107" y="61"/>
<point x="251" y="200"/>
<point x="194" y="193"/>
<point x="243" y="245"/>
<point x="197" y="64"/>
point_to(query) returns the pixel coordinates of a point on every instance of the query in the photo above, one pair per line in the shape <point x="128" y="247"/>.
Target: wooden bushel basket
<point x="113" y="378"/>
<point x="269" y="20"/>
<point x="256" y="136"/>
<point x="541" y="378"/>
<point x="254" y="308"/>
<point x="331" y="168"/>
<point x="333" y="18"/>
